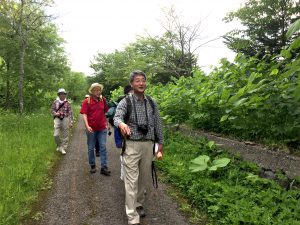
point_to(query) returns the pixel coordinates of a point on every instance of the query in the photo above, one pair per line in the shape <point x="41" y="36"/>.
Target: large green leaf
<point x="224" y="118"/>
<point x="240" y="102"/>
<point x="219" y="163"/>
<point x="293" y="28"/>
<point x="196" y="167"/>
<point x="199" y="163"/>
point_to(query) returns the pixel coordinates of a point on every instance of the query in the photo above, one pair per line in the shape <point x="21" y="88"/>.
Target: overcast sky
<point x="91" y="26"/>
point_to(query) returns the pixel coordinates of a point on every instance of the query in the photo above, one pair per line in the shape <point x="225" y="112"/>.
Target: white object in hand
<point x="156" y="147"/>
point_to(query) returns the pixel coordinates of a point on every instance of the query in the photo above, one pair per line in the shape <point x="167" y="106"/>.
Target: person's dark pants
<point x="97" y="147"/>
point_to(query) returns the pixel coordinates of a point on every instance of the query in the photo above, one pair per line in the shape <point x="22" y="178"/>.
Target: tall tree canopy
<point x="35" y="61"/>
<point x="265" y="23"/>
<point x="154" y="55"/>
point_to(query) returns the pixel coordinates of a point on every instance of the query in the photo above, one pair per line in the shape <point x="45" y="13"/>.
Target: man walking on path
<point x="93" y="110"/>
<point x="61" y="111"/>
<point x="140" y="131"/>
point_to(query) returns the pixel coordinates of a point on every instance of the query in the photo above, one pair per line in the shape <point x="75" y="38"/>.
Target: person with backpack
<point x="110" y="115"/>
<point x="93" y="111"/>
<point x="97" y="147"/>
<point x="62" y="113"/>
<point x="137" y="117"/>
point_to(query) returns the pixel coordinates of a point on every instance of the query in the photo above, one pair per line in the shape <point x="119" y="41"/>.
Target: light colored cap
<point x="95" y="85"/>
<point x="61" y="90"/>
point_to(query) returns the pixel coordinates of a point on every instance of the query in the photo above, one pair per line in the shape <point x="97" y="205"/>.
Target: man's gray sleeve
<point x="120" y="112"/>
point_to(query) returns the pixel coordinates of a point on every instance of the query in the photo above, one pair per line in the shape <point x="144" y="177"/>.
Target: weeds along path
<point x="80" y="198"/>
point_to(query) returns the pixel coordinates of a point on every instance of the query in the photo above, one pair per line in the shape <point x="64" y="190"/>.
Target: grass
<point x="234" y="194"/>
<point x="27" y="154"/>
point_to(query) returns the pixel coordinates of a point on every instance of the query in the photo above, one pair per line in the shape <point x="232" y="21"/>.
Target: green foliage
<point x="264" y="25"/>
<point x="293" y="28"/>
<point x="76" y="86"/>
<point x="45" y="62"/>
<point x="226" y="195"/>
<point x="151" y="55"/>
<point x="27" y="153"/>
<point x="251" y="99"/>
<point x="202" y="163"/>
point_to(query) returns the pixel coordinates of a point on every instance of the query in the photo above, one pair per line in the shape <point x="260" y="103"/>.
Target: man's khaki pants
<point x="61" y="132"/>
<point x="137" y="160"/>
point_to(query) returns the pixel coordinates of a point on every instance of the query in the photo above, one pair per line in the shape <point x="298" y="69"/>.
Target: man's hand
<point x="125" y="130"/>
<point x="89" y="129"/>
<point x="159" y="153"/>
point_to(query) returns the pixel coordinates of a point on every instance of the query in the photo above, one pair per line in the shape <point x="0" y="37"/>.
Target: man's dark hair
<point x="127" y="88"/>
<point x="136" y="73"/>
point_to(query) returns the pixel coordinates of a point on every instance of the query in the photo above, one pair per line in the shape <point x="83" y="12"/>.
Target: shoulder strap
<point x="129" y="109"/>
<point x="151" y="103"/>
<point x="61" y="105"/>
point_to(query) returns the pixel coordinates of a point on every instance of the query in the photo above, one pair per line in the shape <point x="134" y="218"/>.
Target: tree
<point x="76" y="86"/>
<point x="181" y="39"/>
<point x="265" y="23"/>
<point x="45" y="62"/>
<point x="24" y="17"/>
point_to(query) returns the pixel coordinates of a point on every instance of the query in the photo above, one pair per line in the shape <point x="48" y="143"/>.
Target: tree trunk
<point x="21" y="77"/>
<point x="22" y="36"/>
<point x="7" y="94"/>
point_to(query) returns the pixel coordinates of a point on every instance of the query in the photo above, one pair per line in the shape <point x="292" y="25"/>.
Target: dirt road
<point x="80" y="198"/>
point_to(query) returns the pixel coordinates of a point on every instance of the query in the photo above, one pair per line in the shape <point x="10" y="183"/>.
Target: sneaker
<point x="105" y="171"/>
<point x="93" y="169"/>
<point x="62" y="151"/>
<point x="140" y="210"/>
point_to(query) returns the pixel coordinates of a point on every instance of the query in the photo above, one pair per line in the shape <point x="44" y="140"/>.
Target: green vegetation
<point x="265" y="24"/>
<point x="230" y="195"/>
<point x="248" y="99"/>
<point x="27" y="154"/>
<point x="256" y="97"/>
<point x="33" y="63"/>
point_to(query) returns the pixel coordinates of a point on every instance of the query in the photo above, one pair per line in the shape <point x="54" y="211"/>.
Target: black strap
<point x="123" y="145"/>
<point x="154" y="175"/>
<point x="61" y="105"/>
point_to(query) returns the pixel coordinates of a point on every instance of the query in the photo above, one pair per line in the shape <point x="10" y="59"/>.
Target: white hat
<point x="61" y="90"/>
<point x="95" y="85"/>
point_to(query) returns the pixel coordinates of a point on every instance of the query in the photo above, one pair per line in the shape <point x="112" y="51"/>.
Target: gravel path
<point x="80" y="198"/>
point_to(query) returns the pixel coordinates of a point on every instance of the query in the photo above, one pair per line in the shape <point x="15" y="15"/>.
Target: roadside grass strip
<point x="27" y="153"/>
<point x="233" y="194"/>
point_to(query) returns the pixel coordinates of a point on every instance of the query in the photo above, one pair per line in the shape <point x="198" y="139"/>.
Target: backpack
<point x="112" y="106"/>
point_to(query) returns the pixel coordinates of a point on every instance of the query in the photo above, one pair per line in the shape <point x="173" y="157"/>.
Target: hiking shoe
<point x="105" y="171"/>
<point x="93" y="169"/>
<point x="62" y="151"/>
<point x="140" y="210"/>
